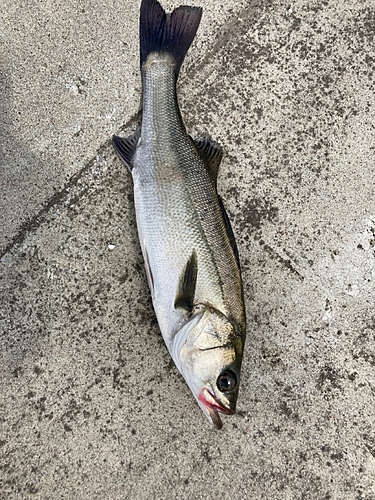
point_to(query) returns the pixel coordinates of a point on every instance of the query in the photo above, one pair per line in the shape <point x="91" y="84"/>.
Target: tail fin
<point x="161" y="32"/>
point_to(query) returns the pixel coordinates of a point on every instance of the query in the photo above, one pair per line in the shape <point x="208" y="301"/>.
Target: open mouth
<point x="213" y="407"/>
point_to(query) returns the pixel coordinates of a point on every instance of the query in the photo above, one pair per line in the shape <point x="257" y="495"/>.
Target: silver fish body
<point x="187" y="243"/>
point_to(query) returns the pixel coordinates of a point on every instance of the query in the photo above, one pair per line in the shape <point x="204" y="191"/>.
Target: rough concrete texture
<point x="92" y="406"/>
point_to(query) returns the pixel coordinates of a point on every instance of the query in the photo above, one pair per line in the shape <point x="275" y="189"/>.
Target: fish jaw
<point x="211" y="407"/>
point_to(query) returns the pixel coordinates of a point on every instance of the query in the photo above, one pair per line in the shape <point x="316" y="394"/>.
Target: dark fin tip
<point x="159" y="32"/>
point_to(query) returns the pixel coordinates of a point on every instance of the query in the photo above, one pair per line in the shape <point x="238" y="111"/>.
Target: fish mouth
<point x="212" y="407"/>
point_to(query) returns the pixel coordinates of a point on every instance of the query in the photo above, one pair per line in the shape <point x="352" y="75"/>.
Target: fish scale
<point x="187" y="243"/>
<point x="182" y="198"/>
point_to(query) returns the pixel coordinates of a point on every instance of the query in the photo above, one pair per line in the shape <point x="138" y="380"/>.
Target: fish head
<point x="208" y="352"/>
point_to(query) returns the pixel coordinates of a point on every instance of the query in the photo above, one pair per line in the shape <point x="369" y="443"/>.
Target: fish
<point x="189" y="250"/>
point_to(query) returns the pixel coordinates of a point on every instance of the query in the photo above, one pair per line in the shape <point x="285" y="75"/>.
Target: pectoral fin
<point x="150" y="277"/>
<point x="188" y="281"/>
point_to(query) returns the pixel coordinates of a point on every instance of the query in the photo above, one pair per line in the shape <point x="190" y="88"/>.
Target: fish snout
<point x="212" y="406"/>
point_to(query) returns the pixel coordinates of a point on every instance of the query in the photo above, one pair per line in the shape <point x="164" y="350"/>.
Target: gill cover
<point x="208" y="353"/>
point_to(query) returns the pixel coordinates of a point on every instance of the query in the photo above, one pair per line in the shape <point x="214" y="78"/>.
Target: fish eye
<point x="227" y="381"/>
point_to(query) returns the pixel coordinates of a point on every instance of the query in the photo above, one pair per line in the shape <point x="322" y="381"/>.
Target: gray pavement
<point x="92" y="406"/>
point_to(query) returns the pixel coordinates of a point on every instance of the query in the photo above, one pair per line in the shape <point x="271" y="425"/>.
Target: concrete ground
<point x="92" y="406"/>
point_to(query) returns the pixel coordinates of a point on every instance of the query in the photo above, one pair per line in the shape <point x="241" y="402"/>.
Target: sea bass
<point x="190" y="254"/>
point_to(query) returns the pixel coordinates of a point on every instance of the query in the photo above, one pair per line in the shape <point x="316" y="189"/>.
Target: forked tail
<point x="161" y="32"/>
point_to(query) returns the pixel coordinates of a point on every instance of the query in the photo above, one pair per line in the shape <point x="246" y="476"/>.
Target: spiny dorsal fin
<point x="188" y="281"/>
<point x="125" y="147"/>
<point x="229" y="231"/>
<point x="211" y="153"/>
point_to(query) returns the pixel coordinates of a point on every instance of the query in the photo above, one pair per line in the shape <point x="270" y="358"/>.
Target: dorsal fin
<point x="186" y="287"/>
<point x="125" y="147"/>
<point x="211" y="153"/>
<point x="229" y="231"/>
